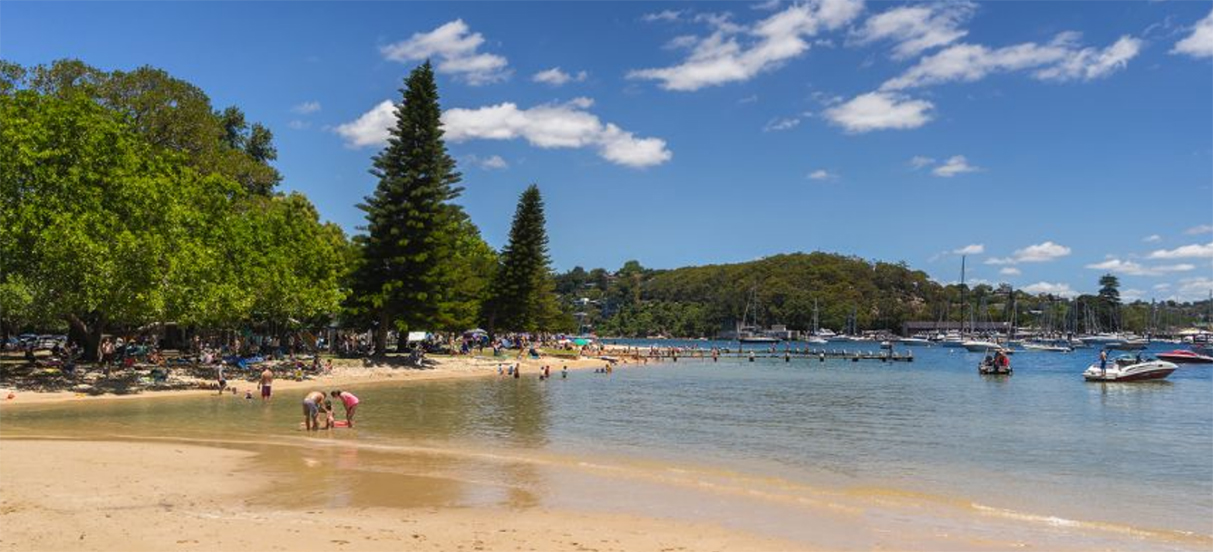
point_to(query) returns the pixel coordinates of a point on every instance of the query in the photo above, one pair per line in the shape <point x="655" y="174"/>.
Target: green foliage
<point x="409" y="257"/>
<point x="523" y="293"/>
<point x="168" y="113"/>
<point x="101" y="228"/>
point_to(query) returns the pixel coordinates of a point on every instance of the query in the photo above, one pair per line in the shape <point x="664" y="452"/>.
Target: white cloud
<point x="736" y="53"/>
<point x="1130" y="295"/>
<point x="748" y="99"/>
<point x="957" y="164"/>
<point x="306" y="108"/>
<point x="1137" y="269"/>
<point x="822" y="174"/>
<point x="1162" y="287"/>
<point x="1194" y="289"/>
<point x="879" y="111"/>
<point x="1059" y="289"/>
<point x="664" y="15"/>
<point x="371" y="128"/>
<point x="1193" y="251"/>
<point x="297" y="124"/>
<point x="971" y="249"/>
<point x="557" y="77"/>
<point x="1010" y="271"/>
<point x="456" y="48"/>
<point x="1060" y="60"/>
<point x="490" y="163"/>
<point x="788" y="123"/>
<point x="1199" y="44"/>
<point x="1199" y="229"/>
<point x="566" y="125"/>
<point x="916" y="28"/>
<point x="920" y="161"/>
<point x="1152" y="238"/>
<point x="1039" y="253"/>
<point x="768" y="5"/>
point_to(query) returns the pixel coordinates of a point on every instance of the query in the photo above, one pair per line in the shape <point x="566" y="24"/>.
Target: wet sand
<point x="82" y="495"/>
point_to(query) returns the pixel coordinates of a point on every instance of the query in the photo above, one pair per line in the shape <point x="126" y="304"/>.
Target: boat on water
<point x="815" y="340"/>
<point x="1183" y="356"/>
<point x="1129" y="345"/>
<point x="915" y="342"/>
<point x="1045" y="347"/>
<point x="996" y="364"/>
<point x="751" y="338"/>
<point x="1130" y="368"/>
<point x="979" y="346"/>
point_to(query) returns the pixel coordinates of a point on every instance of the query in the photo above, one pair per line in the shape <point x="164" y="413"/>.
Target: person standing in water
<point x="221" y="378"/>
<point x="351" y="404"/>
<point x="267" y="380"/>
<point x="311" y="409"/>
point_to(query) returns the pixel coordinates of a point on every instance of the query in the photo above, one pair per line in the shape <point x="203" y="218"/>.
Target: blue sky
<point x="1053" y="140"/>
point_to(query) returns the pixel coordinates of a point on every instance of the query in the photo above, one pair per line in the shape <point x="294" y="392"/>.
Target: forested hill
<point x="702" y="300"/>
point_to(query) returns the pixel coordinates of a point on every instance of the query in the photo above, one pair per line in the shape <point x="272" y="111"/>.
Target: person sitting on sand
<point x="351" y="404"/>
<point x="311" y="409"/>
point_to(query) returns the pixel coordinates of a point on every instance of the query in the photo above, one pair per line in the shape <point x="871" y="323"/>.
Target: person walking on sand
<point x="351" y="404"/>
<point x="267" y="380"/>
<point x="311" y="409"/>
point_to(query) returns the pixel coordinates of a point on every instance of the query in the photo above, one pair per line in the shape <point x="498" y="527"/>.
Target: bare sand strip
<point x="446" y="368"/>
<point x="87" y="495"/>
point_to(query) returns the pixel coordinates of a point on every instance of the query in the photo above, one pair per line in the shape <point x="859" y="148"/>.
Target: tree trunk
<point x="92" y="335"/>
<point x="381" y="335"/>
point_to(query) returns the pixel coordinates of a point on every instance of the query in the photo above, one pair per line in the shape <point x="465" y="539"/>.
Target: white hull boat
<point x="1128" y="368"/>
<point x="978" y="346"/>
<point x="915" y="342"/>
<point x="1046" y="347"/>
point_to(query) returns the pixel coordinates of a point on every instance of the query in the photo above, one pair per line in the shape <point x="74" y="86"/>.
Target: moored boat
<point x="1045" y="347"/>
<point x="978" y="345"/>
<point x="1130" y="368"/>
<point x="1182" y="356"/>
<point x="1129" y="345"/>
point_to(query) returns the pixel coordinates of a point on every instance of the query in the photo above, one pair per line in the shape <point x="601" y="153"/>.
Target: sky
<point x="1049" y="142"/>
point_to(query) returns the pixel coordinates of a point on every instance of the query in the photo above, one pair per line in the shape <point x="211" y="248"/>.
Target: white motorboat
<point x="1130" y="368"/>
<point x="1045" y="347"/>
<point x="915" y="342"/>
<point x="979" y="346"/>
<point x="1129" y="345"/>
<point x="815" y="340"/>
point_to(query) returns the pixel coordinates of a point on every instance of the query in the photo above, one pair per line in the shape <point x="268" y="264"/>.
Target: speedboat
<point x="979" y="346"/>
<point x="990" y="367"/>
<point x="915" y="341"/>
<point x="1183" y="356"/>
<point x="815" y="340"/>
<point x="1045" y="347"/>
<point x="1129" y="345"/>
<point x="1130" y="368"/>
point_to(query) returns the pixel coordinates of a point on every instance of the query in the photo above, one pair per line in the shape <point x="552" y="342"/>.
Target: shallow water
<point x="1040" y="447"/>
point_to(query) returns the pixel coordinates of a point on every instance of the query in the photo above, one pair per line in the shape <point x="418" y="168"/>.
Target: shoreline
<point x="448" y="367"/>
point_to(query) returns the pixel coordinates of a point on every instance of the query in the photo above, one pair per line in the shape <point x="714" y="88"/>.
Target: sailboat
<point x="752" y="333"/>
<point x="817" y="337"/>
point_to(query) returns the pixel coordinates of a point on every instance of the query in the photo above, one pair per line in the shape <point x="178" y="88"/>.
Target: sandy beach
<point x="83" y="495"/>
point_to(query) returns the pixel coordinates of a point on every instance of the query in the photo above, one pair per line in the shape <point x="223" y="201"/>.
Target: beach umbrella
<point x="581" y="341"/>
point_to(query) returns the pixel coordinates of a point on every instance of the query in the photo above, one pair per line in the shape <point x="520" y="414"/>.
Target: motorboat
<point x="979" y="346"/>
<point x="757" y="339"/>
<point x="1130" y="368"/>
<point x="995" y="365"/>
<point x="1184" y="356"/>
<point x="915" y="342"/>
<point x="1045" y="347"/>
<point x="1129" y="345"/>
<point x="815" y="340"/>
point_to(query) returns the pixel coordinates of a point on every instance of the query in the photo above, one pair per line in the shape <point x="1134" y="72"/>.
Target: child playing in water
<point x="329" y="422"/>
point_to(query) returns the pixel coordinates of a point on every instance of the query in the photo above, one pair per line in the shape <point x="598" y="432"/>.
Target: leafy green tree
<point x="169" y="113"/>
<point x="523" y="292"/>
<point x="402" y="277"/>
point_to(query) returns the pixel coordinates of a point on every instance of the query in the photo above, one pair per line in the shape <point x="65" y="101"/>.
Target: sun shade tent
<point x="417" y="336"/>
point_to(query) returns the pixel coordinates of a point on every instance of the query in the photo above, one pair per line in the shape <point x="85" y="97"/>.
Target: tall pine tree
<point x="402" y="278"/>
<point x="523" y="292"/>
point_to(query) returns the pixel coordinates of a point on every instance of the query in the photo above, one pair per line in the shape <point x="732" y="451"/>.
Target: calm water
<point x="1042" y="442"/>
